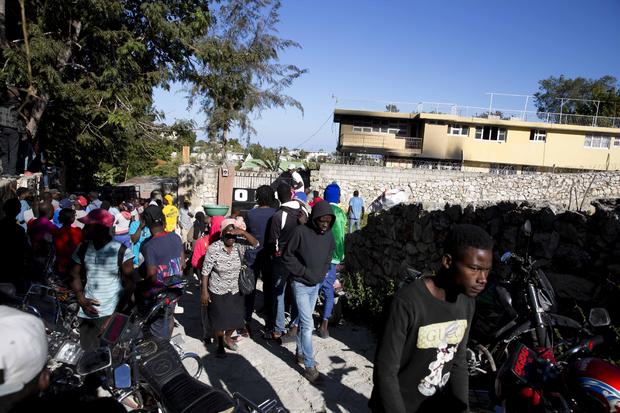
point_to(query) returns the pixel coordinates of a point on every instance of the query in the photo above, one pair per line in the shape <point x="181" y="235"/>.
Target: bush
<point x="366" y="303"/>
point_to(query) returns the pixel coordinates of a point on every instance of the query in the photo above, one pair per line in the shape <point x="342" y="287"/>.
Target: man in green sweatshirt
<point x="332" y="195"/>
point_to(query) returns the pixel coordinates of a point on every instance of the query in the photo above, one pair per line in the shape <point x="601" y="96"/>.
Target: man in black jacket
<point x="307" y="257"/>
<point x="420" y="363"/>
<point x="281" y="229"/>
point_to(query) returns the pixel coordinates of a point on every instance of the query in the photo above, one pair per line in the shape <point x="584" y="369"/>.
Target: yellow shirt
<point x="171" y="213"/>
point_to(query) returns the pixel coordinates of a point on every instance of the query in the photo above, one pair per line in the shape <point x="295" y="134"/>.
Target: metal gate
<point x="245" y="185"/>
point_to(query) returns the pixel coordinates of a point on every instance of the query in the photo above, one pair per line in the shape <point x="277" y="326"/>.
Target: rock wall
<point x="583" y="250"/>
<point x="198" y="183"/>
<point x="434" y="188"/>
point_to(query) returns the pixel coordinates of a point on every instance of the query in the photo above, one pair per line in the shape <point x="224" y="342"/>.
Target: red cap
<point x="81" y="200"/>
<point x="99" y="217"/>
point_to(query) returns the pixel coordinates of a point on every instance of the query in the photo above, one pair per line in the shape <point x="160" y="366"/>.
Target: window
<point x="616" y="141"/>
<point x="491" y="133"/>
<point x="597" y="141"/>
<point x="538" y="135"/>
<point x="398" y="128"/>
<point x="458" y="130"/>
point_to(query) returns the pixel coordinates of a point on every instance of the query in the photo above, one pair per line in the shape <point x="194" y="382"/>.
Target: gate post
<point x="225" y="183"/>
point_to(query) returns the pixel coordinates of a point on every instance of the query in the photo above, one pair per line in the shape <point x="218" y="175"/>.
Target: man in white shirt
<point x="298" y="182"/>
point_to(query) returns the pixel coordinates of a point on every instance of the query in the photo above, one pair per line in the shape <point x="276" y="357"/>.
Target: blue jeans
<point x="163" y="323"/>
<point x="279" y="289"/>
<point x="328" y="291"/>
<point x="305" y="297"/>
<point x="280" y="277"/>
<point x="356" y="222"/>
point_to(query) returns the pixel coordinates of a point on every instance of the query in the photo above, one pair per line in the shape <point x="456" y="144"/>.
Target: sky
<point x="364" y="54"/>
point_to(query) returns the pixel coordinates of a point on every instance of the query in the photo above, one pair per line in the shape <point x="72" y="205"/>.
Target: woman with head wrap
<point x="220" y="283"/>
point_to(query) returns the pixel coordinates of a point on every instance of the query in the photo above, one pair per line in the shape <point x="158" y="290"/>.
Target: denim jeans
<point x="328" y="291"/>
<point x="280" y="278"/>
<point x="305" y="297"/>
<point x="356" y="222"/>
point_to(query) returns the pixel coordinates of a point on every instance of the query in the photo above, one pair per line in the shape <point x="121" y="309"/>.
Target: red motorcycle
<point x="528" y="367"/>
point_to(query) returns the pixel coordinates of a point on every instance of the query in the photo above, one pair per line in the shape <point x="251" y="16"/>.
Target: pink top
<point x="200" y="250"/>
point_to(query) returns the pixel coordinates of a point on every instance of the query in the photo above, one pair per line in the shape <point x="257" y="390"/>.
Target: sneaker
<point x="312" y="375"/>
<point x="300" y="360"/>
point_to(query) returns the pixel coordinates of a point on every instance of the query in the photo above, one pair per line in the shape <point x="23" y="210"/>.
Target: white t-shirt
<point x="121" y="223"/>
<point x="297" y="179"/>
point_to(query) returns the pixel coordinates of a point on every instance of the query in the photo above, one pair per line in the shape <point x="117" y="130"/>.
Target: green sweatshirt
<point x="339" y="229"/>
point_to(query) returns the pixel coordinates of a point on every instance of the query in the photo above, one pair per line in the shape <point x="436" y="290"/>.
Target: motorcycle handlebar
<point x="585" y="345"/>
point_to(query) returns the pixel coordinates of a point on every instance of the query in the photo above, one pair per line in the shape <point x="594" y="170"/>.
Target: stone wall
<point x="198" y="183"/>
<point x="434" y="188"/>
<point x="583" y="250"/>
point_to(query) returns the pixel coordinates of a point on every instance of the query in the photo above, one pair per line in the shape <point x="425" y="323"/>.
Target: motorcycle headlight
<point x="69" y="353"/>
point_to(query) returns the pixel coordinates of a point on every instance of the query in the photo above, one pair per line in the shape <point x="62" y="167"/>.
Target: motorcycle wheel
<point x="193" y="364"/>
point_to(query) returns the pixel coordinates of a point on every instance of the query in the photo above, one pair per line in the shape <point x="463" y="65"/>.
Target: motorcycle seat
<point x="185" y="394"/>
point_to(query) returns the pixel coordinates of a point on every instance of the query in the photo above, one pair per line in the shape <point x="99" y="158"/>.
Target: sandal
<point x="272" y="335"/>
<point x="231" y="347"/>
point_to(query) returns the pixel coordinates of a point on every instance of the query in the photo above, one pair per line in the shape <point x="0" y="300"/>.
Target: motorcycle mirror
<point x="527" y="228"/>
<point x="599" y="317"/>
<point x="122" y="376"/>
<point x="94" y="361"/>
<point x="505" y="257"/>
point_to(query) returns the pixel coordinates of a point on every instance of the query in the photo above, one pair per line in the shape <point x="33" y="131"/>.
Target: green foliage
<point x="605" y="89"/>
<point x="239" y="71"/>
<point x="94" y="65"/>
<point x="369" y="302"/>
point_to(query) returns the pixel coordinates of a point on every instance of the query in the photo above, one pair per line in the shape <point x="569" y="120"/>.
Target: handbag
<point x="247" y="281"/>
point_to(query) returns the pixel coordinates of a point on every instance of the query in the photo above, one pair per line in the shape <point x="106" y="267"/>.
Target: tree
<point x="239" y="70"/>
<point x="577" y="96"/>
<point x="87" y="68"/>
<point x="391" y="108"/>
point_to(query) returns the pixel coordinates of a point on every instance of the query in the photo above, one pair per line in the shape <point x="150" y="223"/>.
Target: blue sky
<point x="410" y="51"/>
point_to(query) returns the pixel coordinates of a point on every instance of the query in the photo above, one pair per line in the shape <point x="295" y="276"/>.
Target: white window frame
<point x="592" y="141"/>
<point x="502" y="134"/>
<point x="538" y="135"/>
<point x="455" y="129"/>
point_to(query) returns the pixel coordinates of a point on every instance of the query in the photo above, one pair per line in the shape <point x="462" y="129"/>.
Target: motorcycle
<point x="525" y="364"/>
<point x="147" y="373"/>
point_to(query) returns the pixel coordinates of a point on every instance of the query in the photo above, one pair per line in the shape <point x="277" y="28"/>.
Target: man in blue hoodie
<point x="307" y="257"/>
<point x="332" y="195"/>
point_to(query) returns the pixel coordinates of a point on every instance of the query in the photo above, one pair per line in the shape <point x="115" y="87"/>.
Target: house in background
<point x="525" y="143"/>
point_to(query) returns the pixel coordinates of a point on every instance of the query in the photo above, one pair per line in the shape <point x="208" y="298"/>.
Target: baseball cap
<point x="98" y="216"/>
<point x="153" y="214"/>
<point x="66" y="203"/>
<point x="81" y="200"/>
<point x="23" y="349"/>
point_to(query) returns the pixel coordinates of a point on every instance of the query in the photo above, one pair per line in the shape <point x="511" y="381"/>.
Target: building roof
<point x="512" y="123"/>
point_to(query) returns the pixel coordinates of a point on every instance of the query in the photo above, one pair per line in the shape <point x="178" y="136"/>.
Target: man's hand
<point x="88" y="305"/>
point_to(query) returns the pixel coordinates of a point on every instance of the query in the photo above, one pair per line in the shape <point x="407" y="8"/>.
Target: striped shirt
<point x="223" y="268"/>
<point x="9" y="118"/>
<point x="103" y="281"/>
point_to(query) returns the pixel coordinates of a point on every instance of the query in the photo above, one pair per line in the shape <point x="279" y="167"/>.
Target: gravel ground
<point x="262" y="369"/>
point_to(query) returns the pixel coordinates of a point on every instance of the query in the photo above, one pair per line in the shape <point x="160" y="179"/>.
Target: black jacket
<point x="309" y="253"/>
<point x="279" y="235"/>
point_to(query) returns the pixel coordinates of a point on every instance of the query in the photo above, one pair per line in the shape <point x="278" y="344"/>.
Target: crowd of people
<point x="119" y="254"/>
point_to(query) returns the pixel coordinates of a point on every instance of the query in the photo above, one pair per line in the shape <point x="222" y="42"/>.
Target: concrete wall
<point x="435" y="188"/>
<point x="199" y="184"/>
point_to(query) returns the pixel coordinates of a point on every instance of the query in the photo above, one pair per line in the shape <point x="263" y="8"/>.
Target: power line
<point x="316" y="132"/>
